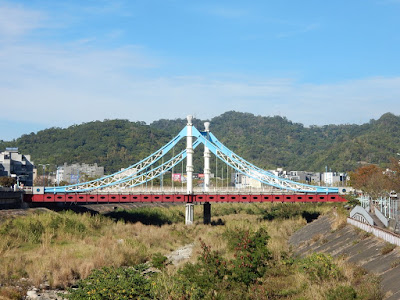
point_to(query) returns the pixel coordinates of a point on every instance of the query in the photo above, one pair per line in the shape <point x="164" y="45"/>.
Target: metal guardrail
<point x="386" y="235"/>
<point x="358" y="212"/>
<point x="381" y="217"/>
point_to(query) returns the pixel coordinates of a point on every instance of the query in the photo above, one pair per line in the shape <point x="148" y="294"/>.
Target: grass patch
<point x="395" y="263"/>
<point x="387" y="248"/>
<point x="63" y="247"/>
<point x="290" y="210"/>
<point x="11" y="293"/>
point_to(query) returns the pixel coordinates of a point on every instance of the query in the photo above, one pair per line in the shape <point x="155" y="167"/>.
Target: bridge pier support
<point x="207" y="213"/>
<point x="189" y="215"/>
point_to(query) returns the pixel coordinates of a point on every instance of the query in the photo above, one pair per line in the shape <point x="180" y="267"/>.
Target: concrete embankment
<point x="356" y="246"/>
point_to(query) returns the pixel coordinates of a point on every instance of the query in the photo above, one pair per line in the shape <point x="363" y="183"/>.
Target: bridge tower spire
<point x="189" y="171"/>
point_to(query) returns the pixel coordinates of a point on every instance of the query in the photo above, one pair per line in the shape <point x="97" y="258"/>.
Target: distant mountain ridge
<point x="268" y="142"/>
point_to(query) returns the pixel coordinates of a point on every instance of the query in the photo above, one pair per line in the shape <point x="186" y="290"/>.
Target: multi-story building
<point x="76" y="173"/>
<point x="242" y="181"/>
<point x="17" y="165"/>
<point x="314" y="178"/>
<point x="334" y="178"/>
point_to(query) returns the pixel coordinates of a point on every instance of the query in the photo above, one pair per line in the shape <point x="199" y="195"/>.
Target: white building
<point x="334" y="178"/>
<point x="241" y="181"/>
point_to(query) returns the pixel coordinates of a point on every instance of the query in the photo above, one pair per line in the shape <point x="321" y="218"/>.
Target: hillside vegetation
<point x="268" y="142"/>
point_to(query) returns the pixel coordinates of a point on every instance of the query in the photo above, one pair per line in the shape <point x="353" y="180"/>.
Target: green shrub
<point x="113" y="283"/>
<point x="158" y="260"/>
<point x="214" y="275"/>
<point x="204" y="278"/>
<point x="250" y="252"/>
<point x="342" y="292"/>
<point x="352" y="199"/>
<point x="25" y="230"/>
<point x="320" y="267"/>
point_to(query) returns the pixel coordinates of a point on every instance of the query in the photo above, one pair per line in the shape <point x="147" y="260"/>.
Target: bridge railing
<point x="197" y="190"/>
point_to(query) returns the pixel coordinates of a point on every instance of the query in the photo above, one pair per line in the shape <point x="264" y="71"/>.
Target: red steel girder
<point x="197" y="198"/>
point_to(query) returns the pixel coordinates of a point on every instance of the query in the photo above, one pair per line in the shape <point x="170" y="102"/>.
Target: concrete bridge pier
<point x="207" y="213"/>
<point x="189" y="214"/>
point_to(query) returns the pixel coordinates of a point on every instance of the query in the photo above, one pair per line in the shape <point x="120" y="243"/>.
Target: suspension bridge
<point x="130" y="184"/>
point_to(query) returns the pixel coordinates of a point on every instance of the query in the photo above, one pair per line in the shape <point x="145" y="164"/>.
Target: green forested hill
<point x="268" y="142"/>
<point x="112" y="143"/>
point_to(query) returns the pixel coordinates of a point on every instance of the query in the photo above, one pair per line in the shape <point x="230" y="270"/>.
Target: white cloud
<point x="61" y="87"/>
<point x="58" y="85"/>
<point x="16" y="21"/>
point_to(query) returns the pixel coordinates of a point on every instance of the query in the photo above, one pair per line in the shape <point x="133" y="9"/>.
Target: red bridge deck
<point x="197" y="198"/>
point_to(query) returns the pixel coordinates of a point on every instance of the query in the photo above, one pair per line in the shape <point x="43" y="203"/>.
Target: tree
<point x="370" y="179"/>
<point x="394" y="175"/>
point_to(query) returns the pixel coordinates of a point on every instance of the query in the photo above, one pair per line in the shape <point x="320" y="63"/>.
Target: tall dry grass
<point x="60" y="248"/>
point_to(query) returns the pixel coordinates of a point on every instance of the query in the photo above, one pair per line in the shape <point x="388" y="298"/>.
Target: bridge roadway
<point x="179" y="197"/>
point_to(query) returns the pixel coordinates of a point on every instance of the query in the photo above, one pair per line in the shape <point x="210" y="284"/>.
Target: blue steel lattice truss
<point x="144" y="171"/>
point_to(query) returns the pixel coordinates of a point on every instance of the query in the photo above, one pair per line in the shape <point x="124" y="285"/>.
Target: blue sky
<point x="315" y="62"/>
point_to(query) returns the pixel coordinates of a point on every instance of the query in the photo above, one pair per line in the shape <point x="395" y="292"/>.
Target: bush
<point x="214" y="275"/>
<point x="352" y="199"/>
<point x="158" y="260"/>
<point x="113" y="283"/>
<point x="250" y="252"/>
<point x="320" y="267"/>
<point x="341" y="293"/>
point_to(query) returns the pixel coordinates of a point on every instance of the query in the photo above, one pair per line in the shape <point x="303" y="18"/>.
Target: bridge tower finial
<point x="207" y="126"/>
<point x="189" y="119"/>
